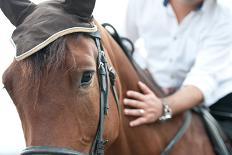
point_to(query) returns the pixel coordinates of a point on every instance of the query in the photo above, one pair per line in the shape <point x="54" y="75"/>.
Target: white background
<point x="11" y="136"/>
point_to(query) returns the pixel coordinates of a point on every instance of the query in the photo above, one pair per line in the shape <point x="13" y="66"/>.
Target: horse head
<point x="57" y="81"/>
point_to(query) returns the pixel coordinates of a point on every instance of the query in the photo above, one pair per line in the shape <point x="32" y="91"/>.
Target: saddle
<point x="221" y="143"/>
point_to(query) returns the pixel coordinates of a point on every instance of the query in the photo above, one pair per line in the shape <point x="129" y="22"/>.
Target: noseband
<point x="105" y="76"/>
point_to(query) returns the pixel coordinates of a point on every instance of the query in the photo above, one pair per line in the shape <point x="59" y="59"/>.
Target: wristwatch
<point x="167" y="111"/>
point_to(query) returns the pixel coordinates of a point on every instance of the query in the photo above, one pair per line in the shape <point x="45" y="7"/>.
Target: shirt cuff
<point x="205" y="83"/>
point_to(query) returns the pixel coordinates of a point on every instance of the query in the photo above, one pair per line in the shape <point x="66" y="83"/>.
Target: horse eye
<point x="86" y="78"/>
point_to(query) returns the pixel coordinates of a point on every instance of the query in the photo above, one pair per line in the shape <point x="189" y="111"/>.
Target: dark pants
<point x="222" y="111"/>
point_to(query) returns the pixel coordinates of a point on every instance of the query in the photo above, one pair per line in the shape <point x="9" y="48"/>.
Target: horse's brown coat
<point x="55" y="111"/>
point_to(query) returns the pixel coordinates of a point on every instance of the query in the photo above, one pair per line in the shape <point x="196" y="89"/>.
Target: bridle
<point x="106" y="77"/>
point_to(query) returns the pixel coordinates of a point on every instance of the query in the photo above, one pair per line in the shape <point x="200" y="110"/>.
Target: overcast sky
<point x="11" y="137"/>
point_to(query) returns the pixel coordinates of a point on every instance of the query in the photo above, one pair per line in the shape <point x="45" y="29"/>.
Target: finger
<point x="145" y="89"/>
<point x="134" y="112"/>
<point x="135" y="95"/>
<point x="134" y="103"/>
<point x="138" y="121"/>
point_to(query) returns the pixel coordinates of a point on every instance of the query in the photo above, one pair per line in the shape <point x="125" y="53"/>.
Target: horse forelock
<point x="50" y="57"/>
<point x="25" y="76"/>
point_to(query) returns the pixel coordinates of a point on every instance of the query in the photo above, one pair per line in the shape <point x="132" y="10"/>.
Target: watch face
<point x="167" y="112"/>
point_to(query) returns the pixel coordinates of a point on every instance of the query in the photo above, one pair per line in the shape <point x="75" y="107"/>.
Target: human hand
<point x="147" y="107"/>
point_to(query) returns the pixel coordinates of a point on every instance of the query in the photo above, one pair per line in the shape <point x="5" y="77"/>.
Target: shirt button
<point x="170" y="60"/>
<point x="175" y="38"/>
<point x="172" y="76"/>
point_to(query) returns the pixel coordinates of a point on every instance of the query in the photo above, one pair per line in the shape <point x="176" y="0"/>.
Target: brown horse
<point x="56" y="110"/>
<point x="56" y="92"/>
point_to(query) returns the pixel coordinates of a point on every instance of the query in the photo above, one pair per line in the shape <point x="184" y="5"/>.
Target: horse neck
<point x="152" y="138"/>
<point x="127" y="80"/>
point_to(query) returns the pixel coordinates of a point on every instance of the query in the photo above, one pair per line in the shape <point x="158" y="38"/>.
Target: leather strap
<point x="221" y="114"/>
<point x="112" y="76"/>
<point x="45" y="150"/>
<point x="179" y="134"/>
<point x="99" y="143"/>
<point x="215" y="132"/>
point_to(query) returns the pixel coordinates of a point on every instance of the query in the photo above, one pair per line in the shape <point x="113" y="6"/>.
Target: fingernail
<point x="141" y="111"/>
<point x="125" y="111"/>
<point x="125" y="101"/>
<point x="132" y="124"/>
<point x="141" y="83"/>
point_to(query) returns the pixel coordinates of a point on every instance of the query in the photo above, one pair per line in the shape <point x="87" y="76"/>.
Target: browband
<point x="55" y="37"/>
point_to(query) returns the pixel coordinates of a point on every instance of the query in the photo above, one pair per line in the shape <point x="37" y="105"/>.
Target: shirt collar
<point x="165" y="3"/>
<point x="208" y="4"/>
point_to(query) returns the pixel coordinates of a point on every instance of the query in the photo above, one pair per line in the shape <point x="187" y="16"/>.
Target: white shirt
<point x="195" y="52"/>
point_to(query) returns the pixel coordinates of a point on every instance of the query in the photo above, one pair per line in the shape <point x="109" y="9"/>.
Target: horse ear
<point x="82" y="8"/>
<point x="16" y="10"/>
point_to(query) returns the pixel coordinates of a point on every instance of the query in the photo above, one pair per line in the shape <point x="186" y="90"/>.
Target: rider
<point x="188" y="46"/>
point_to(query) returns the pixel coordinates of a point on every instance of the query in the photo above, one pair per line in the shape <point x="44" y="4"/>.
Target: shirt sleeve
<point x="131" y="30"/>
<point x="210" y="69"/>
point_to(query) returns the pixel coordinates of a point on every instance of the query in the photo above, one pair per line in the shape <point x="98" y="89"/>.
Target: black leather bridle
<point x="106" y="75"/>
